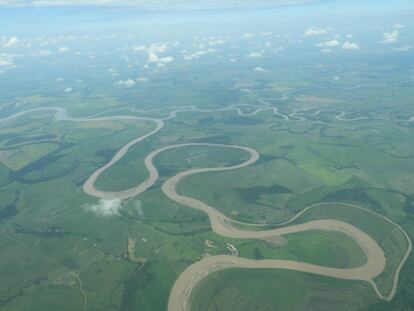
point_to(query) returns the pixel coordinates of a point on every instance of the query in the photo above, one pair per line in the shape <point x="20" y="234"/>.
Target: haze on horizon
<point x="148" y="146"/>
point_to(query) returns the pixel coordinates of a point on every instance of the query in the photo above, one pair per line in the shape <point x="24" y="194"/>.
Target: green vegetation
<point x="388" y="236"/>
<point x="268" y="290"/>
<point x="330" y="249"/>
<point x="18" y="158"/>
<point x="49" y="232"/>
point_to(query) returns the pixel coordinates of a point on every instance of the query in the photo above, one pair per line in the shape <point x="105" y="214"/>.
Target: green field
<point x="59" y="249"/>
<point x="278" y="290"/>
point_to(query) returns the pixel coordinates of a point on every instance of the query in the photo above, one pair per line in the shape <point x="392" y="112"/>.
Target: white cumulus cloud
<point x="329" y="43"/>
<point x="404" y="48"/>
<point x="247" y="35"/>
<point x="197" y="54"/>
<point x="390" y="37"/>
<point x="215" y="41"/>
<point x="125" y="83"/>
<point x="254" y="55"/>
<point x="10" y="42"/>
<point x="105" y="207"/>
<point x="260" y="69"/>
<point x="315" y="31"/>
<point x="139" y="48"/>
<point x="157" y="48"/>
<point x="194" y="55"/>
<point x="350" y="46"/>
<point x="154" y="58"/>
<point x="6" y="60"/>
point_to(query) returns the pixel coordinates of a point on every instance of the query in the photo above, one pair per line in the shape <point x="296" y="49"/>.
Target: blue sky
<point x="47" y="15"/>
<point x="335" y="5"/>
<point x="48" y="9"/>
<point x="144" y="43"/>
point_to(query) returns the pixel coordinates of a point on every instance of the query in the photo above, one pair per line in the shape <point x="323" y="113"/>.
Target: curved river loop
<point x="179" y="299"/>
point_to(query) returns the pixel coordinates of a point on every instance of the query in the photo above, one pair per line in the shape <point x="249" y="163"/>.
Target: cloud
<point x="160" y="4"/>
<point x="247" y="36"/>
<point x="213" y="41"/>
<point x="390" y="37"/>
<point x="63" y="49"/>
<point x="350" y="46"/>
<point x="154" y="58"/>
<point x="329" y="43"/>
<point x="194" y="55"/>
<point x="6" y="60"/>
<point x="42" y="53"/>
<point x="125" y="83"/>
<point x="105" y="207"/>
<point x="254" y="55"/>
<point x="260" y="69"/>
<point x="139" y="48"/>
<point x="198" y="54"/>
<point x="404" y="48"/>
<point x="10" y="42"/>
<point x="398" y="26"/>
<point x="157" y="48"/>
<point x="315" y="31"/>
<point x="68" y="90"/>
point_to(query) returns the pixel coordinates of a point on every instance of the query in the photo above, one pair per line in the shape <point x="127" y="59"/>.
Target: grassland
<point x="316" y="247"/>
<point x="278" y="290"/>
<point x="48" y="234"/>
